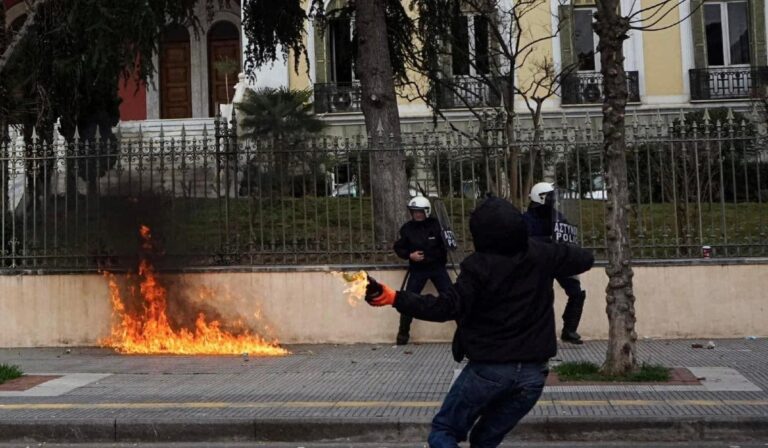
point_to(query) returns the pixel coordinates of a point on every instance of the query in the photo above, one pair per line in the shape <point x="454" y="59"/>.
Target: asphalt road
<point x="368" y="445"/>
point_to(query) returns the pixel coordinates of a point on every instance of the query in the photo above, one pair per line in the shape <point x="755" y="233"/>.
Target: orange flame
<point x="149" y="331"/>
<point x="356" y="283"/>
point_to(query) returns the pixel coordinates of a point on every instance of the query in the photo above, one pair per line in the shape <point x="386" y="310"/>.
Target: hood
<point x="497" y="227"/>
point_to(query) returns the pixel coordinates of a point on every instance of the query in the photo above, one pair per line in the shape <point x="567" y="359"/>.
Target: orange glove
<point x="378" y="294"/>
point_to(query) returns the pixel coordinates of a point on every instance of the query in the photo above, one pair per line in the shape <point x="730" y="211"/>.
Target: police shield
<point x="441" y="213"/>
<point x="565" y="216"/>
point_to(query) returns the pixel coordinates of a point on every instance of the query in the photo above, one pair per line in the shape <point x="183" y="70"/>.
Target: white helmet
<point x="540" y="190"/>
<point x="420" y="203"/>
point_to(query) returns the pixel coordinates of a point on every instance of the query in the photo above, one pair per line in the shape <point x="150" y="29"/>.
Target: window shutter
<point x="757" y="31"/>
<point x="321" y="53"/>
<point x="699" y="36"/>
<point x="567" y="53"/>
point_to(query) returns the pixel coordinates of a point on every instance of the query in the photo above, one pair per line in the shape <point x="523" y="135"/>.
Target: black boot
<point x="571" y="337"/>
<point x="404" y="332"/>
<point x="572" y="317"/>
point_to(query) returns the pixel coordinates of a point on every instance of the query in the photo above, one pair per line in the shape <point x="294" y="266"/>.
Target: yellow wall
<point x="298" y="80"/>
<point x="536" y="24"/>
<point x="663" y="55"/>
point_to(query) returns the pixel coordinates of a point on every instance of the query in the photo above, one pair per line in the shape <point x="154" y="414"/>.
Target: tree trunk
<point x="4" y="204"/>
<point x="512" y="160"/>
<point x="382" y="121"/>
<point x="508" y="95"/>
<point x="534" y="154"/>
<point x="2" y="28"/>
<point x="3" y="123"/>
<point x="612" y="29"/>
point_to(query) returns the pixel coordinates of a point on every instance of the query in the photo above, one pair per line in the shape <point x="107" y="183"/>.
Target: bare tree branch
<point x="652" y="26"/>
<point x="19" y="36"/>
<point x="492" y="83"/>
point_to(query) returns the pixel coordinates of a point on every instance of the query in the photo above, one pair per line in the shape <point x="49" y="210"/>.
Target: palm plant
<point x="285" y="117"/>
<point x="280" y="113"/>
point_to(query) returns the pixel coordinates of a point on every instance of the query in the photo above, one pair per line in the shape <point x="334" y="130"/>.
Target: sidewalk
<point x="367" y="393"/>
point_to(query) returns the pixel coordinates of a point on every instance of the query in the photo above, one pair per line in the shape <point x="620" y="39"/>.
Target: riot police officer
<point x="421" y="243"/>
<point x="540" y="219"/>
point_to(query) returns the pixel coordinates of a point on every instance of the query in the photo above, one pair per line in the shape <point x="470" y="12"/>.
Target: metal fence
<point x="213" y="200"/>
<point x="728" y="82"/>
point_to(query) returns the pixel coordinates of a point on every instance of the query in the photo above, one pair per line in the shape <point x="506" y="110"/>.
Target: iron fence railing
<point x="463" y="92"/>
<point x="337" y="97"/>
<point x="728" y="82"/>
<point x="215" y="200"/>
<point x="587" y="87"/>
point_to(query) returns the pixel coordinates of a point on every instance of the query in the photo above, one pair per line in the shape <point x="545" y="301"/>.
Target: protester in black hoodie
<point x="502" y="303"/>
<point x="421" y="243"/>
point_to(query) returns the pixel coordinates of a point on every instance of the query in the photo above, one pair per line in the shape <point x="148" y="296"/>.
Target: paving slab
<point x="369" y="393"/>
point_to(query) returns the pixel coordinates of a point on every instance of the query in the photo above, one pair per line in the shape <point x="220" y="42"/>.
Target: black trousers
<point x="417" y="279"/>
<point x="575" y="305"/>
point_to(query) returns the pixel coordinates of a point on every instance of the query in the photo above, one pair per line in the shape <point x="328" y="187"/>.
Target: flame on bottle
<point x="356" y="283"/>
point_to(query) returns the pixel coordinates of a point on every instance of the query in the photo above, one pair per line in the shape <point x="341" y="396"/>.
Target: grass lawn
<point x="587" y="371"/>
<point x="9" y="372"/>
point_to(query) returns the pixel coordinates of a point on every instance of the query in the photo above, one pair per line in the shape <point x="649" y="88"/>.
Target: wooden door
<point x="222" y="85"/>
<point x="175" y="80"/>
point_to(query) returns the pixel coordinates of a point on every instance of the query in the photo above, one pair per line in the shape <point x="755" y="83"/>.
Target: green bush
<point x="9" y="372"/>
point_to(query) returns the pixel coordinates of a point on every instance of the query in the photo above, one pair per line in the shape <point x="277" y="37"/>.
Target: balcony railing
<point x="337" y="97"/>
<point x="465" y="92"/>
<point x="587" y="88"/>
<point x="727" y="82"/>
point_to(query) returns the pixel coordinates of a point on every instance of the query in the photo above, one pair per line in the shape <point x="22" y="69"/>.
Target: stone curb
<point x="642" y="429"/>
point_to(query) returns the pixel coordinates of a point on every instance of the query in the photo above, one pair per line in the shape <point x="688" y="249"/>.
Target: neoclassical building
<point x="188" y="83"/>
<point x="717" y="56"/>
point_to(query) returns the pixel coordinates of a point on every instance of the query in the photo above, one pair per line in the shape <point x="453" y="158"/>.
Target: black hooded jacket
<point x="424" y="236"/>
<point x="503" y="299"/>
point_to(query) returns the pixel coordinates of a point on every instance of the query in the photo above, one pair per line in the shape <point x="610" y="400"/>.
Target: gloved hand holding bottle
<point x="378" y="294"/>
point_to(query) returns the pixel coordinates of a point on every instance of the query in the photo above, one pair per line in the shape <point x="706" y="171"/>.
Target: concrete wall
<point x="308" y="307"/>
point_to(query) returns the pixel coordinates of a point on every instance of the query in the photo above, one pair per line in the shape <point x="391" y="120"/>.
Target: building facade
<point x="703" y="53"/>
<point x="699" y="54"/>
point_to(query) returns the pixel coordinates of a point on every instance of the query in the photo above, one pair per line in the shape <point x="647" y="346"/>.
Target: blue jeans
<point x="489" y="399"/>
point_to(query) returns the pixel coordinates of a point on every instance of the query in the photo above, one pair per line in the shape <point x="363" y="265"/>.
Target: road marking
<point x="636" y="402"/>
<point x="695" y="402"/>
<point x="746" y="402"/>
<point x="415" y="404"/>
<point x="581" y="402"/>
<point x="360" y="404"/>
